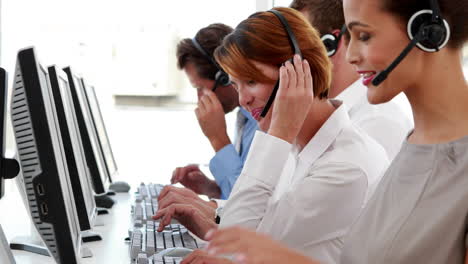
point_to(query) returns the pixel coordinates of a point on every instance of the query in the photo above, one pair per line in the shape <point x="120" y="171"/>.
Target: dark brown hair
<point x="209" y="39"/>
<point x="324" y="15"/>
<point x="263" y="38"/>
<point x="454" y="11"/>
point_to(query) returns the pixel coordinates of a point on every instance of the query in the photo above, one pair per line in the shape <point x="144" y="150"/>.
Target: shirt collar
<point x="327" y="134"/>
<point x="354" y="94"/>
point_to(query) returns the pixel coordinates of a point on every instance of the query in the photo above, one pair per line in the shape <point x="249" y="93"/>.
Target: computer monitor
<point x="74" y="153"/>
<point x="101" y="131"/>
<point x="94" y="156"/>
<point x="42" y="160"/>
<point x="5" y="253"/>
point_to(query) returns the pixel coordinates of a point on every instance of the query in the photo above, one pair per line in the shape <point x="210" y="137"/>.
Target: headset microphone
<point x="384" y="74"/>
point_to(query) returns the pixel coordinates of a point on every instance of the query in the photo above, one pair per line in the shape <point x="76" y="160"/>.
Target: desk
<point x="112" y="249"/>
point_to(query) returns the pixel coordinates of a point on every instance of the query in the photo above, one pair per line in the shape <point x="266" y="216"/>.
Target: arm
<point x="261" y="172"/>
<point x="252" y="248"/>
<point x="227" y="164"/>
<point x="326" y="201"/>
<point x="466" y="260"/>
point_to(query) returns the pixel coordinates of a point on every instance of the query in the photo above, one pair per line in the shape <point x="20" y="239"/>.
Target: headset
<point x="296" y="50"/>
<point x="427" y="30"/>
<point x="221" y="77"/>
<point x="331" y="41"/>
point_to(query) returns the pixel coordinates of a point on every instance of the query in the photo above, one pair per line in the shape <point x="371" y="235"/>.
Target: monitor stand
<point x="29" y="244"/>
<point x="5" y="253"/>
<point x="104" y="201"/>
<point x="90" y="236"/>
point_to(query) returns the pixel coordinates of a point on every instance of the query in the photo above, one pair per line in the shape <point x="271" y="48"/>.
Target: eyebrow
<point x="356" y="23"/>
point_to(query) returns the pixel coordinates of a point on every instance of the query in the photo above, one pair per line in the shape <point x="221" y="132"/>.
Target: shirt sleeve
<point x="318" y="208"/>
<point x="226" y="166"/>
<point x="262" y="170"/>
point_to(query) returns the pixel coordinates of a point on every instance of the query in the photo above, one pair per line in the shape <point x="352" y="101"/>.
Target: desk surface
<point x="112" y="249"/>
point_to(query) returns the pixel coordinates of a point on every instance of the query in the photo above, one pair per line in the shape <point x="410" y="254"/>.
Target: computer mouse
<point x="176" y="252"/>
<point x="120" y="186"/>
<point x="104" y="201"/>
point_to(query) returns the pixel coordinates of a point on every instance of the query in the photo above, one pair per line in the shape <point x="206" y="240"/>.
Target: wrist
<point x="219" y="142"/>
<point x="283" y="133"/>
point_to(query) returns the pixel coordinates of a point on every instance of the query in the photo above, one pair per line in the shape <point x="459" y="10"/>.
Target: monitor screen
<point x="94" y="157"/>
<point x="71" y="139"/>
<point x="41" y="154"/>
<point x="100" y="127"/>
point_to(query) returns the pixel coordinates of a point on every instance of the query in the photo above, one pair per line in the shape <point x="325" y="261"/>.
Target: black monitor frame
<point x="38" y="141"/>
<point x="9" y="168"/>
<point x="101" y="131"/>
<point x="71" y="139"/>
<point x="94" y="156"/>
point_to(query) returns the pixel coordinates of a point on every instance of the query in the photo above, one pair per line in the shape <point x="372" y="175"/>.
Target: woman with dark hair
<point x="310" y="164"/>
<point x="419" y="211"/>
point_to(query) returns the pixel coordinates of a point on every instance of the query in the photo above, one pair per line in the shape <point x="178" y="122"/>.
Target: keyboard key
<point x="142" y="259"/>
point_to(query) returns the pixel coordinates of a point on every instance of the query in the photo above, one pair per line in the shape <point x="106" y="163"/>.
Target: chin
<point x="378" y="95"/>
<point x="264" y="125"/>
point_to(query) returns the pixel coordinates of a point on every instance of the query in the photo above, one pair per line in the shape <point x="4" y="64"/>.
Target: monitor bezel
<point x="76" y="161"/>
<point x="96" y="114"/>
<point x="94" y="157"/>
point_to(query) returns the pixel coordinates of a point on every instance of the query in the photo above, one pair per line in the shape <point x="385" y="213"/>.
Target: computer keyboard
<point x="144" y="259"/>
<point x="147" y="241"/>
<point x="146" y="203"/>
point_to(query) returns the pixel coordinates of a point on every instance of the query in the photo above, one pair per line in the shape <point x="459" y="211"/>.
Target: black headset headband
<point x="291" y="36"/>
<point x="205" y="54"/>
<point x="340" y="35"/>
<point x="296" y="50"/>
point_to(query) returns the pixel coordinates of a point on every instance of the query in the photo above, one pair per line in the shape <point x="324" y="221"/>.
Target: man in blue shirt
<point x="216" y="97"/>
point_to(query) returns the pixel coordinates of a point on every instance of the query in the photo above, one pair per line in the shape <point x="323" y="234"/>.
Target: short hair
<point x="263" y="38"/>
<point x="209" y="38"/>
<point x="454" y="11"/>
<point x="324" y="15"/>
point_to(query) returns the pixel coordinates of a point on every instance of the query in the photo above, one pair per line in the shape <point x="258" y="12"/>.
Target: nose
<point x="245" y="98"/>
<point x="352" y="53"/>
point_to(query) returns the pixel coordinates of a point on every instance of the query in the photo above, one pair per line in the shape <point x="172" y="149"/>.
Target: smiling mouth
<point x="256" y="113"/>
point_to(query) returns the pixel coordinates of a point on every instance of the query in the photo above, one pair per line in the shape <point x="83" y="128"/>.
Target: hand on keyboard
<point x="189" y="216"/>
<point x="200" y="256"/>
<point x="172" y="195"/>
<point x="193" y="178"/>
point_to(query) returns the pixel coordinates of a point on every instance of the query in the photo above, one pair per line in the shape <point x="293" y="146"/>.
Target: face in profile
<point x="377" y="38"/>
<point x="253" y="95"/>
<point x="227" y="95"/>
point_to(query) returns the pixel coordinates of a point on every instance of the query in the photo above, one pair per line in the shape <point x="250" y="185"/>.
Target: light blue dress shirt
<point x="227" y="163"/>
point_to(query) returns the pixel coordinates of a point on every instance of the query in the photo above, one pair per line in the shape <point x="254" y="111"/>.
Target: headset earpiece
<point x="222" y="78"/>
<point x="331" y="44"/>
<point x="435" y="34"/>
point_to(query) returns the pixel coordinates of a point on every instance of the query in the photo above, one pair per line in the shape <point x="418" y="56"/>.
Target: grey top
<point x="419" y="211"/>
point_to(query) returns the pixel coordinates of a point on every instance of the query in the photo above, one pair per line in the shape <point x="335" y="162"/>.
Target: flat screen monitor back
<point x="94" y="156"/>
<point x="5" y="252"/>
<point x="100" y="126"/>
<point x="44" y="167"/>
<point x="77" y="167"/>
<point x="3" y="104"/>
